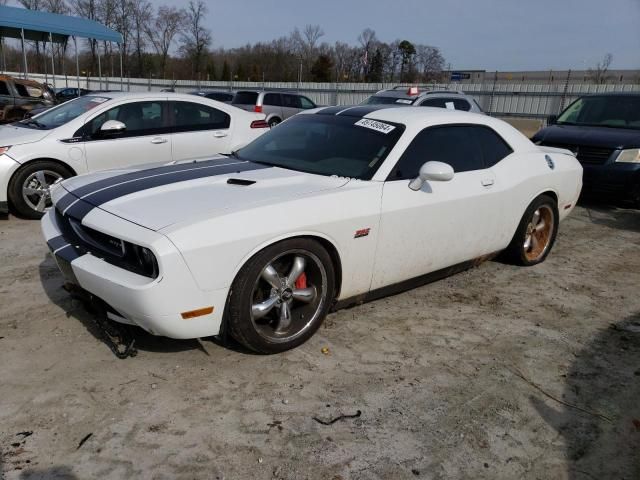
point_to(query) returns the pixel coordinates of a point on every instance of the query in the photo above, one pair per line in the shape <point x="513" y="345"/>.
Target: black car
<point x="219" y="95"/>
<point x="603" y="131"/>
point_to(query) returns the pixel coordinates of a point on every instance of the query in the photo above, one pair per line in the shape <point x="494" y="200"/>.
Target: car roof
<point x="115" y="95"/>
<point x="404" y="93"/>
<point x="426" y="117"/>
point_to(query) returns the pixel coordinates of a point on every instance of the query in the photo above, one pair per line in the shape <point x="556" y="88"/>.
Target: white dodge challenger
<point x="333" y="207"/>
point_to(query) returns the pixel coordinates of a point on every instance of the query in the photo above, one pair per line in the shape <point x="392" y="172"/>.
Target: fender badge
<point x="363" y="232"/>
<point x="550" y="162"/>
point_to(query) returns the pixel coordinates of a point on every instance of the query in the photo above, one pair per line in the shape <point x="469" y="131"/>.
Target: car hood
<point x="162" y="196"/>
<point x="10" y="135"/>
<point x="589" y="136"/>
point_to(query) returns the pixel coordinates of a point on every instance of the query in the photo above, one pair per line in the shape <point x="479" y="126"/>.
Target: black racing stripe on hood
<point x="162" y="169"/>
<point x="81" y="207"/>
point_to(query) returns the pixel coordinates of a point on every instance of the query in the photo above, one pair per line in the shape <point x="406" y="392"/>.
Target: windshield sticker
<point x="99" y="99"/>
<point x="449" y="105"/>
<point x="375" y="125"/>
<point x="405" y="101"/>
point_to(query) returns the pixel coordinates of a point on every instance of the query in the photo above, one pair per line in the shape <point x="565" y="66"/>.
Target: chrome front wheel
<point x="36" y="189"/>
<point x="281" y="296"/>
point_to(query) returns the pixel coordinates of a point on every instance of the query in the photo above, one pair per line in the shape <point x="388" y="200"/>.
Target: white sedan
<point x="333" y="207"/>
<point x="111" y="130"/>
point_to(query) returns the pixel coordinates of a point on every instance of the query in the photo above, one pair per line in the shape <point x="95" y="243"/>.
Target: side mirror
<point x="111" y="127"/>
<point x="551" y="119"/>
<point x="434" y="171"/>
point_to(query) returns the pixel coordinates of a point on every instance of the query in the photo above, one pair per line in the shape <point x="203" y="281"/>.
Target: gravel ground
<point x="499" y="372"/>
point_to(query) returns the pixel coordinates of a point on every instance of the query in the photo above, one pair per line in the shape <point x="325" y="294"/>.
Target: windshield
<point x="326" y="145"/>
<point x="62" y="114"/>
<point x="378" y="100"/>
<point x="604" y="111"/>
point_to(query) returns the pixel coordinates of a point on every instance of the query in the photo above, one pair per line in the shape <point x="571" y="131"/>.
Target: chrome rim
<point x="35" y="190"/>
<point x="288" y="296"/>
<point x="538" y="234"/>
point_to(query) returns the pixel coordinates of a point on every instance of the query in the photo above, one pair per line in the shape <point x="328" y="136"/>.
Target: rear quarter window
<point x="245" y="98"/>
<point x="3" y="88"/>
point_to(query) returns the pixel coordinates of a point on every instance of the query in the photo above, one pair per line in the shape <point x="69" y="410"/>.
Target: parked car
<point x="277" y="106"/>
<point x="604" y="133"/>
<point x="18" y="96"/>
<point x="423" y="97"/>
<point x="333" y="207"/>
<point x="66" y="94"/>
<point x="225" y="96"/>
<point x="113" y="130"/>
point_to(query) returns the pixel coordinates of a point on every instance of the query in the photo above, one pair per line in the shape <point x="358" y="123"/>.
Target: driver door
<point x="146" y="138"/>
<point x="446" y="222"/>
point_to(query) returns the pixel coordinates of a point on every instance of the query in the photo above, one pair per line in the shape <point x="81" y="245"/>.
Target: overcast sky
<point x="484" y="34"/>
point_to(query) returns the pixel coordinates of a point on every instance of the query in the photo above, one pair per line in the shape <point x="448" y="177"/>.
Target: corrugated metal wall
<point x="529" y="100"/>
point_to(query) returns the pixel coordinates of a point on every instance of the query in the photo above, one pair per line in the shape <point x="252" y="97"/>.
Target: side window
<point x="434" y="102"/>
<point x="140" y="118"/>
<point x="492" y="146"/>
<point x="306" y="103"/>
<point x="272" y="99"/>
<point x="290" y="101"/>
<point x="451" y="103"/>
<point x="455" y="145"/>
<point x="3" y="88"/>
<point x="22" y="91"/>
<point x="194" y="116"/>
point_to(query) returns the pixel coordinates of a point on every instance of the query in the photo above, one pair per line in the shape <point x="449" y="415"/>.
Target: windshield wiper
<point x="31" y="121"/>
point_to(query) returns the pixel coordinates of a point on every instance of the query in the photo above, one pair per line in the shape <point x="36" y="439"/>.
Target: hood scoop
<point x="240" y="181"/>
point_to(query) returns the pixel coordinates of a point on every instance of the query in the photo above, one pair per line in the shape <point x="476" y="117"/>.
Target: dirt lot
<point x="498" y="373"/>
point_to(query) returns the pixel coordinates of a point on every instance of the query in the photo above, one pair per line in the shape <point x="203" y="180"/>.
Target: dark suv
<point x="18" y="97"/>
<point x="603" y="131"/>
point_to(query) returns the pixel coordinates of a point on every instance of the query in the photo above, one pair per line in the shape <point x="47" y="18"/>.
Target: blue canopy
<point x="38" y="25"/>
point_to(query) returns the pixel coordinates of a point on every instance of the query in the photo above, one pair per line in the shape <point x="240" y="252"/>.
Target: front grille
<point x="586" y="154"/>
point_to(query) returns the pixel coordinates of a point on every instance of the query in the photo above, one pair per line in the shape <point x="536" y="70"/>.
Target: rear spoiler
<point x="562" y="151"/>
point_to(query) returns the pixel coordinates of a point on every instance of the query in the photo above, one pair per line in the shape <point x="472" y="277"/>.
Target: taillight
<point x="257" y="109"/>
<point x="259" y="124"/>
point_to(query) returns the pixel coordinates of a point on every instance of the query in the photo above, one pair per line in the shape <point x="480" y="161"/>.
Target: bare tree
<point x="430" y="62"/>
<point x="88" y="9"/>
<point x="306" y="43"/>
<point x="196" y="38"/>
<point x="168" y="22"/>
<point x="141" y="12"/>
<point x="598" y="74"/>
<point x="368" y="41"/>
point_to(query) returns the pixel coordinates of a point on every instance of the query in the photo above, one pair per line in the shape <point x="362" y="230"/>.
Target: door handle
<point x="487" y="182"/>
<point x="220" y="134"/>
<point x="158" y="140"/>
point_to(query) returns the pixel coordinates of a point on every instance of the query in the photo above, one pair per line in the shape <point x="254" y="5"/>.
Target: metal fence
<point x="527" y="100"/>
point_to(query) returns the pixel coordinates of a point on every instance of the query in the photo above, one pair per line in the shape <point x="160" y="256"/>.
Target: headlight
<point x="146" y="260"/>
<point x="629" y="156"/>
<point x="4" y="149"/>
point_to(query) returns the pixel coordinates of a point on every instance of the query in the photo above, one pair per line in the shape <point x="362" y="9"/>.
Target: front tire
<point x="281" y="296"/>
<point x="29" y="187"/>
<point x="536" y="233"/>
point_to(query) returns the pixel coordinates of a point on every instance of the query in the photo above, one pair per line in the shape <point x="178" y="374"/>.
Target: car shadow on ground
<point x="600" y="423"/>
<point x="53" y="282"/>
<point x="612" y="214"/>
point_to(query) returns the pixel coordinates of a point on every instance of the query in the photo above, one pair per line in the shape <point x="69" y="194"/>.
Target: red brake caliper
<point x="301" y="282"/>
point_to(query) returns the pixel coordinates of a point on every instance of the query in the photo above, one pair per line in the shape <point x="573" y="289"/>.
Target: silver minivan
<point x="277" y="106"/>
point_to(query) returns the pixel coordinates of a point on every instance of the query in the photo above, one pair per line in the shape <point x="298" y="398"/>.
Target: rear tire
<point x="281" y="296"/>
<point x="29" y="187"/>
<point x="275" y="121"/>
<point x="536" y="233"/>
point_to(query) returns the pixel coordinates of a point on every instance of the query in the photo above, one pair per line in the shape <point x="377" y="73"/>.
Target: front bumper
<point x="618" y="179"/>
<point x="153" y="304"/>
<point x="8" y="167"/>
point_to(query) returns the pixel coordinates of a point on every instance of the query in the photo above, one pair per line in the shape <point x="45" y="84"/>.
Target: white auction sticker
<point x="99" y="99"/>
<point x="405" y="101"/>
<point x="375" y="125"/>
